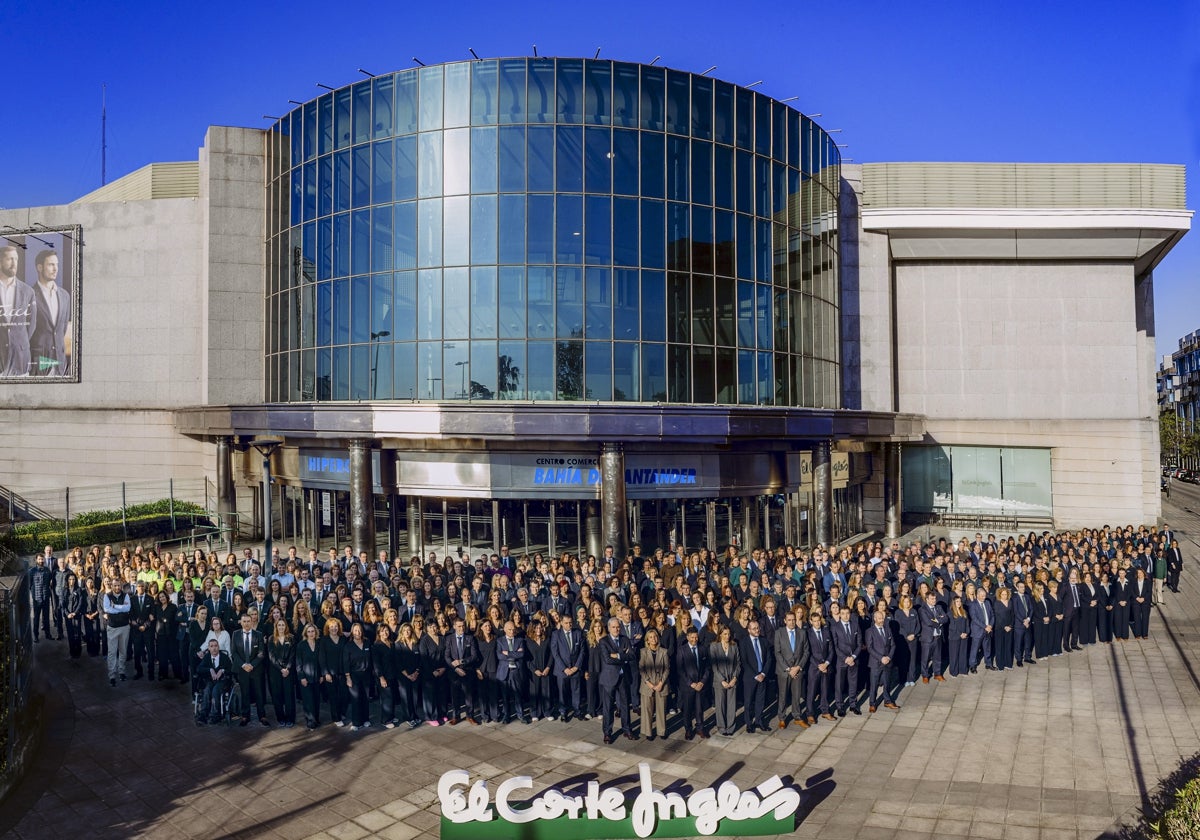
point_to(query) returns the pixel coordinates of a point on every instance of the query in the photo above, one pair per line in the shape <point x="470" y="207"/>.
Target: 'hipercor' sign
<point x="470" y="811"/>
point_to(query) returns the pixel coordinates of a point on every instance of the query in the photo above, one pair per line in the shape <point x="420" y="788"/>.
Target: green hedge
<point x="104" y="526"/>
<point x="1182" y="820"/>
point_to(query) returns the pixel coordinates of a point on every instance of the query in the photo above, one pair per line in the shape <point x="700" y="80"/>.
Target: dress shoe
<point x="828" y="716"/>
<point x="631" y="736"/>
<point x="474" y="721"/>
<point x="749" y="730"/>
<point x="871" y="709"/>
<point x="1080" y="647"/>
<point x="689" y="735"/>
<point x="841" y="712"/>
<point x="608" y="739"/>
<point x="857" y="711"/>
<point x="924" y="679"/>
<point x="244" y="722"/>
<point x="812" y="721"/>
<point x="940" y="678"/>
<point x="453" y="721"/>
<point x="974" y="670"/>
<point x="702" y="734"/>
<point x="992" y="668"/>
<point x="783" y="724"/>
<point x="113" y="683"/>
<point x="890" y="705"/>
<point x="1020" y="664"/>
<point x="264" y="721"/>
<point x="650" y="737"/>
<point x="801" y="722"/>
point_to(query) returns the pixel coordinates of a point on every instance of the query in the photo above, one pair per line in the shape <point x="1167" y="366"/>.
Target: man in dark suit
<point x="791" y="658"/>
<point x="758" y="660"/>
<point x="632" y="629"/>
<point x="462" y="656"/>
<point x="615" y="653"/>
<point x="982" y="618"/>
<point x="52" y="316"/>
<point x="1174" y="565"/>
<point x="247" y="654"/>
<point x="511" y="654"/>
<point x="933" y="634"/>
<point x="1071" y="600"/>
<point x="820" y="667"/>
<point x="847" y="645"/>
<point x="568" y="653"/>
<point x="1022" y="605"/>
<point x="695" y="675"/>
<point x="183" y="619"/>
<point x="16" y="316"/>
<point x="141" y="630"/>
<point x="881" y="650"/>
<point x="213" y="673"/>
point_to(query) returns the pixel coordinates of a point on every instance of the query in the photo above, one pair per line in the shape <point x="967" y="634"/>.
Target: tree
<point x="508" y="376"/>
<point x="1169" y="436"/>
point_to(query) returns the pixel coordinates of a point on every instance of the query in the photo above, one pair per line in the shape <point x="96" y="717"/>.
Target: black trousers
<point x="754" y="694"/>
<point x="358" y="693"/>
<point x="310" y="696"/>
<point x="41" y="612"/>
<point x="614" y="699"/>
<point x="569" y="694"/>
<point x="462" y="694"/>
<point x="283" y="696"/>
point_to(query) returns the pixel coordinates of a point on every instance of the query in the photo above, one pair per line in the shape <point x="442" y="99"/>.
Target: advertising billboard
<point x="39" y="304"/>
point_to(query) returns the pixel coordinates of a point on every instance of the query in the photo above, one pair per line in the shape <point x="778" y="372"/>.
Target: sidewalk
<point x="1065" y="749"/>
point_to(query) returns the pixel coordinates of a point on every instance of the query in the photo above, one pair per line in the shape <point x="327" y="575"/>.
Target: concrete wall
<point x="172" y="316"/>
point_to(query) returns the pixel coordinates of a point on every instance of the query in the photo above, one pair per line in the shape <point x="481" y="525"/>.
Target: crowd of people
<point x="788" y="637"/>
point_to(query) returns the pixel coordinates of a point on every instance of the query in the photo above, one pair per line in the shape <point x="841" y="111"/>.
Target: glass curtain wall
<point x="552" y="229"/>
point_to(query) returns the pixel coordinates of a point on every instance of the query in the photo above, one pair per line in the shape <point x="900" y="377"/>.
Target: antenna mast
<point x="103" y="135"/>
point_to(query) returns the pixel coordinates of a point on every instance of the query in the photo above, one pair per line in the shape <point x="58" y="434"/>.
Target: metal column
<point x="362" y="497"/>
<point x="387" y="481"/>
<point x="226" y="500"/>
<point x="594" y="538"/>
<point x="822" y="494"/>
<point x="612" y="497"/>
<point x="891" y="491"/>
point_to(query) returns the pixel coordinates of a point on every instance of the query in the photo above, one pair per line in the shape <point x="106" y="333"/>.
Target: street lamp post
<point x="266" y="445"/>
<point x="462" y="366"/>
<point x="375" y="337"/>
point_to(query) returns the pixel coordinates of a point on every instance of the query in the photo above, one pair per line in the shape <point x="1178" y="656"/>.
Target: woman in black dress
<point x="1002" y="632"/>
<point x="309" y="675"/>
<point x="1056" y="618"/>
<point x="1121" y="606"/>
<point x="332" y="676"/>
<point x="541" y="695"/>
<point x="489" y="688"/>
<point x="957" y="636"/>
<point x="356" y="670"/>
<point x="1104" y="609"/>
<point x="281" y="673"/>
<point x="1088" y="606"/>
<point x="907" y="627"/>
<point x="592" y="677"/>
<point x="408" y="665"/>
<point x="384" y="661"/>
<point x="1041" y="621"/>
<point x="166" y="646"/>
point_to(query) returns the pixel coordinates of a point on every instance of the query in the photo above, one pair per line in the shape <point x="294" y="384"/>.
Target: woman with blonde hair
<point x="281" y="673"/>
<point x="308" y="674"/>
<point x="592" y="678"/>
<point x="408" y="671"/>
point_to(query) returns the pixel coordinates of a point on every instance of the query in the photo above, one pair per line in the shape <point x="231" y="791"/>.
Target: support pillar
<point x="387" y="481"/>
<point x="612" y="498"/>
<point x="891" y="491"/>
<point x="822" y="494"/>
<point x="750" y="527"/>
<point x="593" y="532"/>
<point x="416" y="527"/>
<point x="226" y="500"/>
<point x="362" y="497"/>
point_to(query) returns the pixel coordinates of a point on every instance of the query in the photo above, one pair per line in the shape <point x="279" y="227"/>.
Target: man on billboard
<point x="16" y="316"/>
<point x="52" y="316"/>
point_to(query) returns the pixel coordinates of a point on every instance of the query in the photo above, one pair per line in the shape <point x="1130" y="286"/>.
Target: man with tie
<point x="213" y="671"/>
<point x="981" y="616"/>
<point x="568" y="654"/>
<point x="791" y="658"/>
<point x="247" y="654"/>
<point x="141" y="632"/>
<point x="52" y="318"/>
<point x="462" y="656"/>
<point x="695" y="674"/>
<point x="881" y="650"/>
<point x="757" y="662"/>
<point x="1022" y="605"/>
<point x="511" y="674"/>
<point x="410" y="610"/>
<point x="847" y="645"/>
<point x="183" y="620"/>
<point x="933" y="635"/>
<point x="820" y="667"/>
<point x="1069" y="597"/>
<point x="632" y="630"/>
<point x="16" y="316"/>
<point x="615" y="651"/>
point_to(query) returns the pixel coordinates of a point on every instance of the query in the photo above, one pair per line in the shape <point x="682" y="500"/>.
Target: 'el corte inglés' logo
<point x="468" y="810"/>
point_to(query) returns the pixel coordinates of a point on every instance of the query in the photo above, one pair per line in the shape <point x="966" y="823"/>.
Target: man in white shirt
<point x="16" y="316"/>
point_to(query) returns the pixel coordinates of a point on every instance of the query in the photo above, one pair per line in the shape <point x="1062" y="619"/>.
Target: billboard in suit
<point x="39" y="304"/>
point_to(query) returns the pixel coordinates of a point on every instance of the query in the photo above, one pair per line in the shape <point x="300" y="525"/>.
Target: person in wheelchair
<point x="213" y="676"/>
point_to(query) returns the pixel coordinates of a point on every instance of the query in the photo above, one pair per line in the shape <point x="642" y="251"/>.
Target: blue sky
<point x="979" y="80"/>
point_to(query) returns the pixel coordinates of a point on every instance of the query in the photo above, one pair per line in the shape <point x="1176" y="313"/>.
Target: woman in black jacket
<point x="1002" y="630"/>
<point x="408" y="669"/>
<point x="434" y="687"/>
<point x="541" y="694"/>
<point x="281" y="673"/>
<point x="165" y="644"/>
<point x="1122" y="603"/>
<point x="592" y="677"/>
<point x="332" y="676"/>
<point x="1141" y="601"/>
<point x="74" y="603"/>
<point x="908" y="630"/>
<point x="357" y="669"/>
<point x="489" y="689"/>
<point x="91" y="619"/>
<point x="308" y="674"/>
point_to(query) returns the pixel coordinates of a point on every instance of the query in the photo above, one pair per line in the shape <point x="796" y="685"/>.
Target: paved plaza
<point x="1064" y="749"/>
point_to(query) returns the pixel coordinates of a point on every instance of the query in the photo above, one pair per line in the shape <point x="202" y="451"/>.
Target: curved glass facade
<point x="552" y="229"/>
